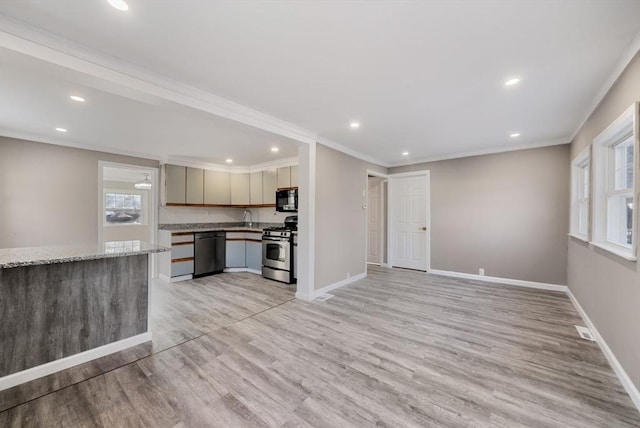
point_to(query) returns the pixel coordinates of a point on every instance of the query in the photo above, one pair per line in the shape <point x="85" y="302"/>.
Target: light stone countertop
<point x="211" y="227"/>
<point x="31" y="256"/>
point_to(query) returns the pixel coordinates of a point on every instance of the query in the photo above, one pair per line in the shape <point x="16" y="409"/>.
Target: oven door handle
<point x="268" y="238"/>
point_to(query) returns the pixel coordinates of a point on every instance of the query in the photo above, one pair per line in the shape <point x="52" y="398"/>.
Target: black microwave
<point x="287" y="200"/>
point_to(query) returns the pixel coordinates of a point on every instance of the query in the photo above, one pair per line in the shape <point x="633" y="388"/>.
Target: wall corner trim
<point x="626" y="381"/>
<point x="498" y="280"/>
<point x="51" y="367"/>
<point x="303" y="296"/>
<point x="338" y="284"/>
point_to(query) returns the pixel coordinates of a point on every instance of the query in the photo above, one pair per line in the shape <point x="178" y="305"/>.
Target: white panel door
<point x="410" y="221"/>
<point x="374" y="219"/>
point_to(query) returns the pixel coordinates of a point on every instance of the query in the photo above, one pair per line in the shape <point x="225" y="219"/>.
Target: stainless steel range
<point x="277" y="251"/>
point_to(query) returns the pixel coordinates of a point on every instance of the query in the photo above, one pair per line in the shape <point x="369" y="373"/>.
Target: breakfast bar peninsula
<point x="65" y="305"/>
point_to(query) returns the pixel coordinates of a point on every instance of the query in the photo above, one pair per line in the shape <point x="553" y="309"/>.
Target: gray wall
<point x="340" y="219"/>
<point x="49" y="194"/>
<point x="506" y="213"/>
<point x="608" y="287"/>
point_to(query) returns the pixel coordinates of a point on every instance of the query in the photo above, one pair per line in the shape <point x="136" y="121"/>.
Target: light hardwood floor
<point x="400" y="349"/>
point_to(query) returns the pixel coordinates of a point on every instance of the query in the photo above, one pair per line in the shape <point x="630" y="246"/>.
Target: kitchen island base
<point x="60" y="314"/>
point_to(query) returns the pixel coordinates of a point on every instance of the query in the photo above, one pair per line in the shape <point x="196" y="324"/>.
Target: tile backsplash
<point x="176" y="215"/>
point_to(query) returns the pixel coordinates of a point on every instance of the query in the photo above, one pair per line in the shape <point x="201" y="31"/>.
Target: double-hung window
<point x="123" y="208"/>
<point x="615" y="188"/>
<point x="580" y="191"/>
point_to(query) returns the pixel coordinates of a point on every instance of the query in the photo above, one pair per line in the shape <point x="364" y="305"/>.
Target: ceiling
<point x="35" y="101"/>
<point x="425" y="77"/>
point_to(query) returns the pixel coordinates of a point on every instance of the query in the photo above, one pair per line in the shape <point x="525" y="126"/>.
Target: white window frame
<point x="580" y="172"/>
<point x="603" y="175"/>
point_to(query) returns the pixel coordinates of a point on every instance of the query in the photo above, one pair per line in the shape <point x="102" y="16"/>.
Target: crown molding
<point x="621" y="65"/>
<point x="490" y="151"/>
<point x="21" y="135"/>
<point x="22" y="38"/>
<point x="356" y="154"/>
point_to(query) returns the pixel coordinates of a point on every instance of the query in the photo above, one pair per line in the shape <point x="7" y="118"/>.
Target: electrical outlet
<point x="481" y="271"/>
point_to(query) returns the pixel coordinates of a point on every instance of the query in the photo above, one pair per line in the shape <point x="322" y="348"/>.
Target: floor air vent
<point x="324" y="297"/>
<point x="585" y="333"/>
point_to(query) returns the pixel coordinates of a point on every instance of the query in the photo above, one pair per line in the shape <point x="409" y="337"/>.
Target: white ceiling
<point x="426" y="77"/>
<point x="35" y="101"/>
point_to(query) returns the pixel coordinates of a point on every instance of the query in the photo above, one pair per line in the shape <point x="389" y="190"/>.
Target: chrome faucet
<point x="244" y="216"/>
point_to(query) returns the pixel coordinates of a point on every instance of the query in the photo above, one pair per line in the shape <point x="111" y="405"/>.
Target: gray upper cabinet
<point x="175" y="184"/>
<point x="255" y="188"/>
<point x="217" y="188"/>
<point x="284" y="177"/>
<point x="195" y="186"/>
<point x="294" y="175"/>
<point x="240" y="189"/>
<point x="269" y="184"/>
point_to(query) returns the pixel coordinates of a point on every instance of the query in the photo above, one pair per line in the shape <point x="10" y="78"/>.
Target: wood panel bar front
<point x="52" y="311"/>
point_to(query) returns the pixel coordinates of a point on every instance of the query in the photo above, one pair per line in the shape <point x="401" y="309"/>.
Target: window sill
<point x="625" y="254"/>
<point x="579" y="237"/>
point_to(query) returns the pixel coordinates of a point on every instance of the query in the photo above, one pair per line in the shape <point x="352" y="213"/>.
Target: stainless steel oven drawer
<point x="276" y="274"/>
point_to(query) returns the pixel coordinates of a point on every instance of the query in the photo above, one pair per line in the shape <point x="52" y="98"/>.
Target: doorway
<point x="409" y="214"/>
<point x="127" y="210"/>
<point x="376" y="220"/>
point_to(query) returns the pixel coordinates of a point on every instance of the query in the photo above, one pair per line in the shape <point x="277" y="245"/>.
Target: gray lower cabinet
<point x="254" y="255"/>
<point x="236" y="257"/>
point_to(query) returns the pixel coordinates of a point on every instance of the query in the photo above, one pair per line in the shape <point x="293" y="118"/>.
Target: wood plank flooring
<point x="398" y="349"/>
<point x="178" y="312"/>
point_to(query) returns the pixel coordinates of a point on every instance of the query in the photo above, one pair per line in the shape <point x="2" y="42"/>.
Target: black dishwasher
<point x="209" y="257"/>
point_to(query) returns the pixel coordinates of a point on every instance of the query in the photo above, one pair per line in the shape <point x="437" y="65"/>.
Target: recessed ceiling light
<point x="77" y="98"/>
<point x="61" y="130"/>
<point x="514" y="135"/>
<point x="229" y="160"/>
<point x="354" y="125"/>
<point x="274" y="149"/>
<point x="405" y="153"/>
<point x="119" y="4"/>
<point x="512" y="82"/>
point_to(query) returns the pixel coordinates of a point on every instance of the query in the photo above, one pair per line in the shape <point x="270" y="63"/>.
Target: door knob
<point x="423" y="228"/>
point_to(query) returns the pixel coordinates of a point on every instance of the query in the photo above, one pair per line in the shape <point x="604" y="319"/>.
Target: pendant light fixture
<point x="144" y="184"/>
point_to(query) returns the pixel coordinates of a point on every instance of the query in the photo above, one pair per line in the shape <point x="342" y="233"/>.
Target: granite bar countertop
<point x="31" y="256"/>
<point x="206" y="227"/>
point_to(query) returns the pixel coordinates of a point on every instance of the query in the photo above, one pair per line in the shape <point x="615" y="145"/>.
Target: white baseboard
<point x="494" y="279"/>
<point x="338" y="284"/>
<point x="176" y="278"/>
<point x="243" y="269"/>
<point x="628" y="385"/>
<point x="164" y="278"/>
<point x="46" y="369"/>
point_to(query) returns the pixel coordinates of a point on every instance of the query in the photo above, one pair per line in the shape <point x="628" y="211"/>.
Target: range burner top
<point x="278" y="229"/>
